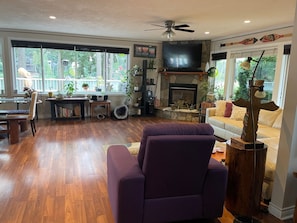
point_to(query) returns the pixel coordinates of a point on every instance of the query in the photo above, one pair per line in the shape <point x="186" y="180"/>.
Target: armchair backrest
<point x="171" y="129"/>
<point x="176" y="165"/>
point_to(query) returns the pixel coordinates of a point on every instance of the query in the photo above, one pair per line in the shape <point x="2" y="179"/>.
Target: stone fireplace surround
<point x="165" y="111"/>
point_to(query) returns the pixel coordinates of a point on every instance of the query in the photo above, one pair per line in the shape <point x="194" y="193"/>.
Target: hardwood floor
<point x="59" y="176"/>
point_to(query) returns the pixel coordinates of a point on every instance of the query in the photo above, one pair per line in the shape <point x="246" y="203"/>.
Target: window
<point x="220" y="79"/>
<point x="49" y="66"/>
<point x="265" y="71"/>
<point x="220" y="64"/>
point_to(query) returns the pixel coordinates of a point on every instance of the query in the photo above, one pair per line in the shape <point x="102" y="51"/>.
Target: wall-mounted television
<point x="182" y="55"/>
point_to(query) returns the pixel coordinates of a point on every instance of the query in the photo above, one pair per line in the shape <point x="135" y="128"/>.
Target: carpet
<point x="132" y="147"/>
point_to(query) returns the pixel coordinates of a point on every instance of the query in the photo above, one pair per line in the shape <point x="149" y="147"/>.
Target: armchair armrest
<point x="210" y="112"/>
<point x="125" y="183"/>
<point x="215" y="188"/>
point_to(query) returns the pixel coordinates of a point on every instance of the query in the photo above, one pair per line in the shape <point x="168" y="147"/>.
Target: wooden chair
<point x="4" y="128"/>
<point x="32" y="112"/>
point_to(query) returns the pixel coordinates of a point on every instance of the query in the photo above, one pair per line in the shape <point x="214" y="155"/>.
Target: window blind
<point x="65" y="46"/>
<point x="219" y="56"/>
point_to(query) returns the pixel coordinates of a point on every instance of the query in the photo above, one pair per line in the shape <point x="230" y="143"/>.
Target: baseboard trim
<point x="281" y="213"/>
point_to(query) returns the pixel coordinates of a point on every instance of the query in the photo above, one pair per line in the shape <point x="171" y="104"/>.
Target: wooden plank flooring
<point x="59" y="176"/>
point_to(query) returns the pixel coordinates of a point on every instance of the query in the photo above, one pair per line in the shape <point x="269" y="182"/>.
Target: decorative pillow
<point x="220" y="107"/>
<point x="238" y="112"/>
<point x="228" y="109"/>
<point x="278" y="121"/>
<point x="268" y="117"/>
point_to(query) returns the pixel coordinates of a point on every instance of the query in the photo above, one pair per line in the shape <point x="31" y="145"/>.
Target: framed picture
<point x="145" y="51"/>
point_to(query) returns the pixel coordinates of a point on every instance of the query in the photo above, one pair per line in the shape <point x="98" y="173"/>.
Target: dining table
<point x="13" y="130"/>
<point x="15" y="118"/>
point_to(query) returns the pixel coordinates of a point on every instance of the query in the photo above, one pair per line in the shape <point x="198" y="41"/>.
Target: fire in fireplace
<point x="182" y="95"/>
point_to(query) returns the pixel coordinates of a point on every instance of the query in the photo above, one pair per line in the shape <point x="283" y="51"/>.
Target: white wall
<point x="284" y="192"/>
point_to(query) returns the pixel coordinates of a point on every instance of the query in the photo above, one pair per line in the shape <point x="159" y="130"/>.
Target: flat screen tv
<point x="182" y="55"/>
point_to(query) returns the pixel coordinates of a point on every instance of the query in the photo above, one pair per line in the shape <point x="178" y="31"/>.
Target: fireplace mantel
<point x="200" y="73"/>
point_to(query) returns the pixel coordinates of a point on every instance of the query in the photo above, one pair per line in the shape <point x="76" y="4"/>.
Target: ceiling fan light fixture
<point x="169" y="34"/>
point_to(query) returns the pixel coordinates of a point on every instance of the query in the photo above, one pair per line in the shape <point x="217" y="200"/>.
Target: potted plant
<point x="70" y="88"/>
<point x="85" y="86"/>
<point x="130" y="80"/>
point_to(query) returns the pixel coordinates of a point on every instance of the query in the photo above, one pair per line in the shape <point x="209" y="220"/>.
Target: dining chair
<point x="32" y="112"/>
<point x="4" y="128"/>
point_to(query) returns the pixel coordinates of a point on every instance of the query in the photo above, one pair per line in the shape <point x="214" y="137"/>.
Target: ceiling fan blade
<point x="186" y="30"/>
<point x="181" y="26"/>
<point x="158" y="25"/>
<point x="153" y="29"/>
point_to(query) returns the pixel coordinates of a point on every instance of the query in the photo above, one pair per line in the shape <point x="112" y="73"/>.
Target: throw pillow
<point x="237" y="112"/>
<point x="268" y="117"/>
<point x="228" y="109"/>
<point x="220" y="107"/>
<point x="278" y="121"/>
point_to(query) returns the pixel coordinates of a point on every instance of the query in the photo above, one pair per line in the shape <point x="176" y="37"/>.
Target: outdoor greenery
<point x="265" y="71"/>
<point x="242" y="91"/>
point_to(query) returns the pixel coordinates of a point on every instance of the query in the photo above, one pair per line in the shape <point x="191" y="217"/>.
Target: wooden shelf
<point x="200" y="73"/>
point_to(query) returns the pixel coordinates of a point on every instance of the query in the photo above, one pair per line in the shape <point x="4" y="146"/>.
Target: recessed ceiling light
<point x="247" y="21"/>
<point x="206" y="33"/>
<point x="52" y="17"/>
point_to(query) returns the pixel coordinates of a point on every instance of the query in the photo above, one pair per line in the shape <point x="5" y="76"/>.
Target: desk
<point x="105" y="104"/>
<point x="55" y="103"/>
<point x="13" y="121"/>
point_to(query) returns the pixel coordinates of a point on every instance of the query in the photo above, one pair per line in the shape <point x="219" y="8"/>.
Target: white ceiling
<point x="130" y="18"/>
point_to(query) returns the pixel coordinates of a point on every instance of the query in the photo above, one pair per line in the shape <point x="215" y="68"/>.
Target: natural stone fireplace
<point x="182" y="95"/>
<point x="190" y="90"/>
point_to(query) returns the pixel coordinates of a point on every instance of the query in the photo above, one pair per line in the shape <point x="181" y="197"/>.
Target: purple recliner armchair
<point x="173" y="178"/>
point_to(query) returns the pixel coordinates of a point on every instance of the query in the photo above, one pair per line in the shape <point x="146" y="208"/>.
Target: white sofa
<point x="228" y="123"/>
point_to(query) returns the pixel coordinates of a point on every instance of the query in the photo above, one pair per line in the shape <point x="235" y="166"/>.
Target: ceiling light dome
<point x="169" y="34"/>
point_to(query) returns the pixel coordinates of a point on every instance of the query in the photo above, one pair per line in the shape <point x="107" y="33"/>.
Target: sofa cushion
<point x="238" y="112"/>
<point x="220" y="107"/>
<point x="217" y="121"/>
<point x="278" y="121"/>
<point x="265" y="131"/>
<point x="271" y="157"/>
<point x="234" y="126"/>
<point x="268" y="117"/>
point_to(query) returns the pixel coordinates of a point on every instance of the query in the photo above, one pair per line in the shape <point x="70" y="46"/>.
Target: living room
<point x="283" y="200"/>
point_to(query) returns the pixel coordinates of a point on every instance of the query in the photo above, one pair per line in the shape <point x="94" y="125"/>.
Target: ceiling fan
<point x="170" y="25"/>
